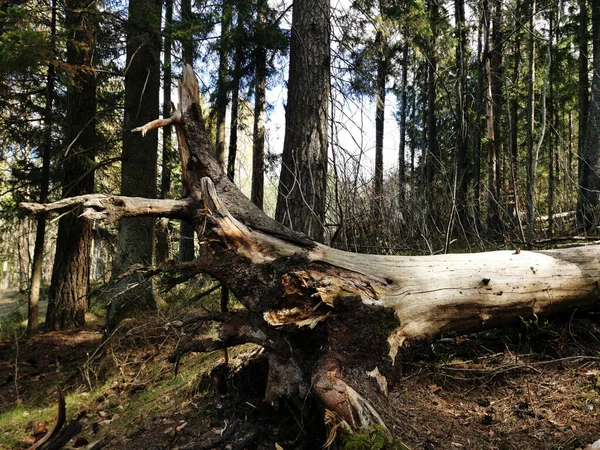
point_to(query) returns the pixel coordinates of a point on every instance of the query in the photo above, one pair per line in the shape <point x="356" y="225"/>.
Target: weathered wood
<point x="113" y="207"/>
<point x="61" y="418"/>
<point x="326" y="317"/>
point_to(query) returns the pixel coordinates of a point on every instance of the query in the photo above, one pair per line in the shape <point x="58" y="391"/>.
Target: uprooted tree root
<point x="332" y="323"/>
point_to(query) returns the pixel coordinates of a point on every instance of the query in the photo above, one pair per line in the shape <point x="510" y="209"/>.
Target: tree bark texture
<point x="590" y="190"/>
<point x="479" y="113"/>
<point x="186" y="230"/>
<point x="223" y="81"/>
<point x="432" y="157"/>
<point x="403" y="131"/>
<point x="258" y="132"/>
<point x="324" y="316"/>
<point x="33" y="301"/>
<point x="381" y="46"/>
<point x="531" y="163"/>
<point x="68" y="301"/>
<point x="496" y="74"/>
<point x="583" y="96"/>
<point x="162" y="238"/>
<point x="235" y="97"/>
<point x="462" y="143"/>
<point x="139" y="166"/>
<point x="301" y="196"/>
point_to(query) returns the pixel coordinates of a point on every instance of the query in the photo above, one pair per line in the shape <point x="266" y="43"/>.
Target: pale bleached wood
<point x="113" y="207"/>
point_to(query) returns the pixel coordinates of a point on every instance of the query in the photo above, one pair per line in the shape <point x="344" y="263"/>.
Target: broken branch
<point x="113" y="207"/>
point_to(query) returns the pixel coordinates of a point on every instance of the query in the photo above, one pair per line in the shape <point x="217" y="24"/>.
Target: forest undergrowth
<point x="533" y="386"/>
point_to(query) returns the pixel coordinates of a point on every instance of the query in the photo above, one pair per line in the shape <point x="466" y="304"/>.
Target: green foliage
<point x="22" y="44"/>
<point x="21" y="49"/>
<point x="539" y="329"/>
<point x="377" y="438"/>
<point x="12" y="324"/>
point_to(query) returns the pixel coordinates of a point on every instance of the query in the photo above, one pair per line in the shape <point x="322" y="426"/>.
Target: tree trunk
<point x="68" y="301"/>
<point x="495" y="78"/>
<point x="432" y="71"/>
<point x="583" y="95"/>
<point x="162" y="241"/>
<point x="513" y="116"/>
<point x="551" y="114"/>
<point x="413" y="122"/>
<point x="424" y="72"/>
<point x="325" y="316"/>
<point x="222" y="81"/>
<point x="530" y="198"/>
<point x="382" y="72"/>
<point x="235" y="99"/>
<point x="479" y="116"/>
<point x="403" y="113"/>
<point x="462" y="143"/>
<point x="186" y="39"/>
<point x="302" y="184"/>
<point x="591" y="153"/>
<point x="186" y="230"/>
<point x="33" y="301"/>
<point x="493" y="212"/>
<point x="138" y="169"/>
<point x="258" y="133"/>
<point x="221" y="109"/>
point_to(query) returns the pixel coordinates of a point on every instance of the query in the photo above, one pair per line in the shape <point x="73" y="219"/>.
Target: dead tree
<point x="326" y="317"/>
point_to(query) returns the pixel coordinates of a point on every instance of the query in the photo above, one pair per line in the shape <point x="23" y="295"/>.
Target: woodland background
<point x="388" y="127"/>
<point x="492" y="104"/>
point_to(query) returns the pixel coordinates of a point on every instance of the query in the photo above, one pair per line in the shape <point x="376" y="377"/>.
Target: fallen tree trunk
<point x="327" y="317"/>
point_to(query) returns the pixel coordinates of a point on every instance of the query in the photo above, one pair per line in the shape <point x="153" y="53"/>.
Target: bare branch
<point x="113" y="207"/>
<point x="158" y="123"/>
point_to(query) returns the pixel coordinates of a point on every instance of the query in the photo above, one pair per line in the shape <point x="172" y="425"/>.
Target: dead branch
<point x="61" y="418"/>
<point x="113" y="207"/>
<point x="158" y="123"/>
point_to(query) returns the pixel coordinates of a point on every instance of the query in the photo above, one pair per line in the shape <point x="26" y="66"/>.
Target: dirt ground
<point x="534" y="386"/>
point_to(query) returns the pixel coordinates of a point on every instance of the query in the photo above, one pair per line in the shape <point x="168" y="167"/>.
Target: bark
<point x="187" y="41"/>
<point x="68" y="301"/>
<point x="591" y="155"/>
<point x="222" y="82"/>
<point x="583" y="96"/>
<point x="513" y="118"/>
<point x="530" y="197"/>
<point x="403" y="112"/>
<point x="162" y="244"/>
<point x="302" y="184"/>
<point x="424" y="128"/>
<point x="381" y="77"/>
<point x="235" y="99"/>
<point x="462" y="143"/>
<point x="258" y="132"/>
<point x="553" y="123"/>
<point x="379" y="128"/>
<point x="139" y="166"/>
<point x="325" y="316"/>
<point x="479" y="112"/>
<point x="493" y="212"/>
<point x="495" y="76"/>
<point x="33" y="301"/>
<point x="413" y="121"/>
<point x="186" y="230"/>
<point x="221" y="108"/>
<point x="432" y="143"/>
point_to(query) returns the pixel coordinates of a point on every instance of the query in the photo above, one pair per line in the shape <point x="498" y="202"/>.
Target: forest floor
<point x="534" y="386"/>
<point x="13" y="310"/>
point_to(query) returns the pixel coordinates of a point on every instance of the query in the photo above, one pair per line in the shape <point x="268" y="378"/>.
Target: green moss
<point x="357" y="441"/>
<point x="374" y="439"/>
<point x="377" y="438"/>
